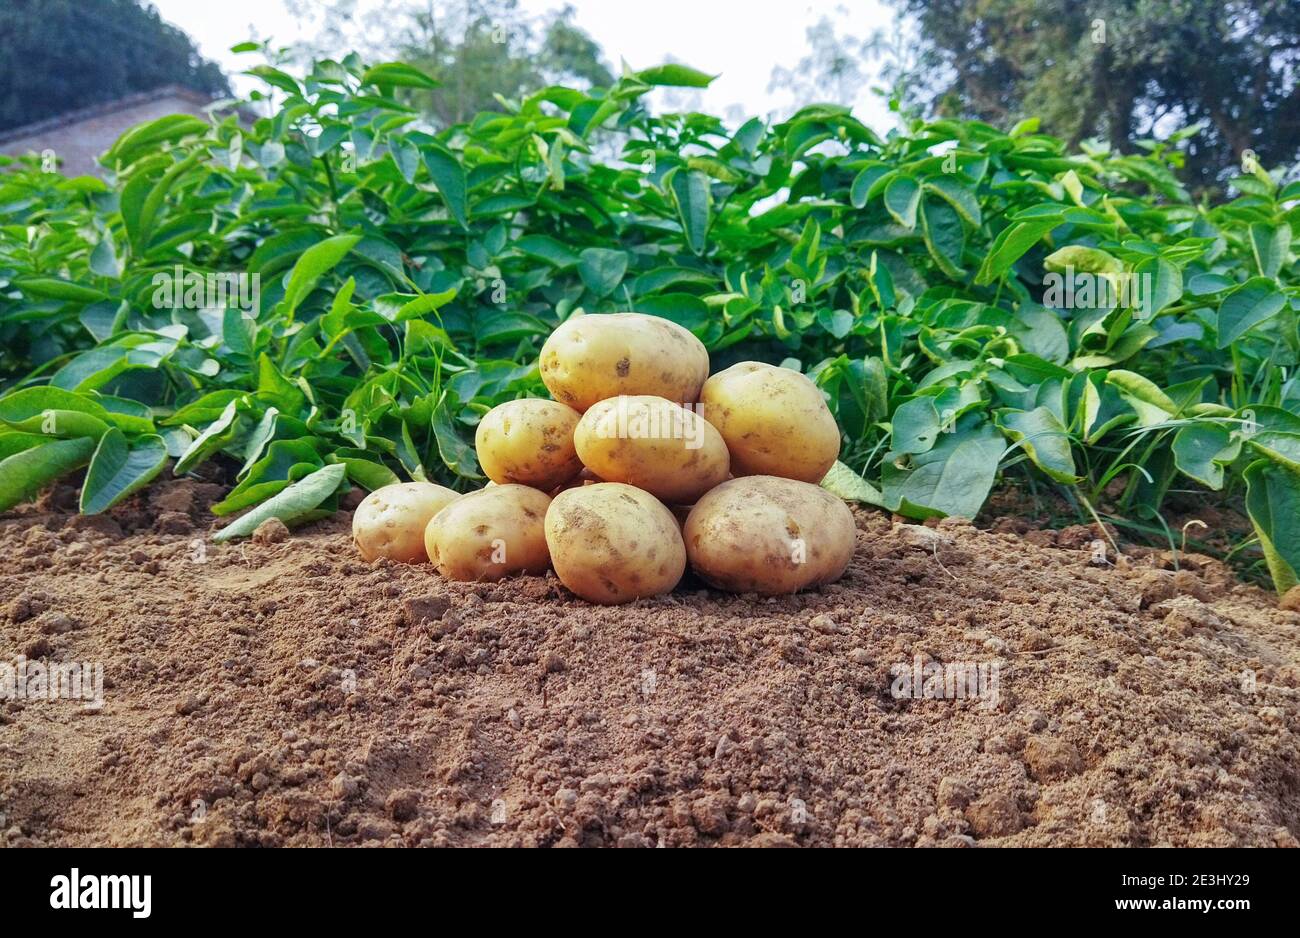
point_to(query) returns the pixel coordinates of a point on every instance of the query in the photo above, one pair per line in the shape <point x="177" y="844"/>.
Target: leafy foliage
<point x="476" y="50"/>
<point x="407" y="279"/>
<point x="1117" y="69"/>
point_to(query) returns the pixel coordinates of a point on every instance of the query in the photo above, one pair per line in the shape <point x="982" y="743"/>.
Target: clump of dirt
<point x="286" y="693"/>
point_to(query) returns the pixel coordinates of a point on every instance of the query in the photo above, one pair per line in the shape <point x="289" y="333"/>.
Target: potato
<point x="611" y="543"/>
<point x="529" y="442"/>
<point x="594" y="357"/>
<point x="390" y="521"/>
<point x="774" y="420"/>
<point x="650" y="442"/>
<point x="763" y="534"/>
<point x="490" y="534"/>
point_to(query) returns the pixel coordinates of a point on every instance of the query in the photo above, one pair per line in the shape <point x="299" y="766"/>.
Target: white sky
<point x="741" y="40"/>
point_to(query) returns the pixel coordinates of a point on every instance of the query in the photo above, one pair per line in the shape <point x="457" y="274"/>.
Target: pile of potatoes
<point x="641" y="464"/>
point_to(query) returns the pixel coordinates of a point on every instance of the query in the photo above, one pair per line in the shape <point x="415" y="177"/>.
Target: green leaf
<point x="915" y="426"/>
<point x="258" y="439"/>
<point x="1273" y="504"/>
<point x="129" y="416"/>
<point x="1009" y="246"/>
<point x="1102" y="407"/>
<point x="661" y="278"/>
<point x="11" y="441"/>
<point x="690" y="191"/>
<point x="1153" y="405"/>
<point x="105" y="319"/>
<point x="64" y="424"/>
<point x="51" y="288"/>
<point x="1282" y="448"/>
<point x="1160" y="284"/>
<point x="1206" y="284"/>
<point x="24" y="474"/>
<point x="685" y="309"/>
<point x="216" y="435"/>
<point x="54" y="412"/>
<point x="285" y="461"/>
<point x="1040" y="332"/>
<point x="902" y="198"/>
<point x="848" y="485"/>
<point x="448" y="175"/>
<point x="132" y="199"/>
<point x="1044" y="440"/>
<point x="19" y="406"/>
<point x="953" y="478"/>
<point x="293" y="504"/>
<point x="93" y="369"/>
<point x="274" y="387"/>
<point x="148" y="138"/>
<point x="279" y="250"/>
<point x="1080" y="259"/>
<point x="239" y="332"/>
<point x="315" y="263"/>
<point x="399" y="307"/>
<point x="205" y="409"/>
<point x="864" y="181"/>
<point x="118" y="469"/>
<point x="547" y="249"/>
<point x="602" y="269"/>
<point x="367" y="473"/>
<point x="1202" y="450"/>
<point x="456" y="454"/>
<point x="406" y="156"/>
<point x="945" y="237"/>
<point x="398" y="74"/>
<point x="1270" y="245"/>
<point x="104" y="260"/>
<point x="959" y="196"/>
<point x="276" y="78"/>
<point x="1255" y="301"/>
<point x="151" y="208"/>
<point x="674" y="75"/>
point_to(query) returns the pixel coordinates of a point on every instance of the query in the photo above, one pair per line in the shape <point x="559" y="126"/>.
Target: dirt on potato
<point x="283" y="692"/>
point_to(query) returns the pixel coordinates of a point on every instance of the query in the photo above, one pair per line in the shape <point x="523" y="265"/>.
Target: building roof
<point x="67" y="119"/>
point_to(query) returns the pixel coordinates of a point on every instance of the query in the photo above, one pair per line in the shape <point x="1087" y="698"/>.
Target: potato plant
<point x="334" y="296"/>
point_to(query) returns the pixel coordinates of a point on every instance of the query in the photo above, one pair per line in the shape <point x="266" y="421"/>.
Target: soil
<point x="283" y="692"/>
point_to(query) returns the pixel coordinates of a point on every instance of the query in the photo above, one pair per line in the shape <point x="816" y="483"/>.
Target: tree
<point x="60" y="55"/>
<point x="476" y="48"/>
<point x="835" y="68"/>
<point x="1122" y="70"/>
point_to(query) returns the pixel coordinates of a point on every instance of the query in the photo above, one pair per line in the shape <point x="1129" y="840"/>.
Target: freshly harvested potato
<point x="763" y="534"/>
<point x="490" y="534"/>
<point x="774" y="420"/>
<point x="390" y="521"/>
<point x="593" y="357"/>
<point x="650" y="442"/>
<point x="611" y="543"/>
<point x="529" y="442"/>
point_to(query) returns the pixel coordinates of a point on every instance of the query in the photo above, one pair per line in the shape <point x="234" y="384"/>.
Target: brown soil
<point x="285" y="693"/>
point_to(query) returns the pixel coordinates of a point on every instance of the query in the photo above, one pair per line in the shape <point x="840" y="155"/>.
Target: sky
<point x="741" y="40"/>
